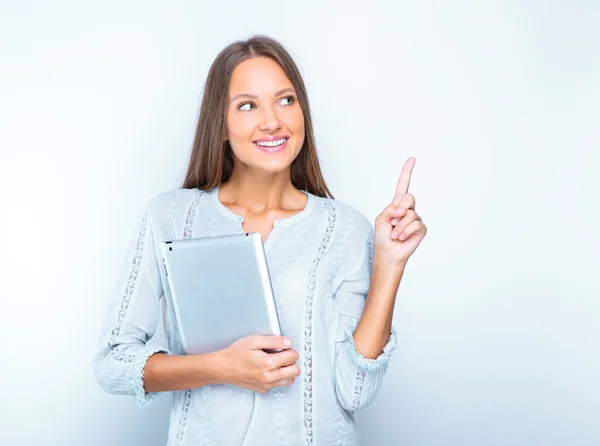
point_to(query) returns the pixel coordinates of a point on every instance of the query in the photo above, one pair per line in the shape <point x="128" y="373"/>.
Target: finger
<point x="289" y="372"/>
<point x="389" y="213"/>
<point x="404" y="180"/>
<point x="406" y="203"/>
<point x="283" y="383"/>
<point x="402" y="223"/>
<point x="270" y="342"/>
<point x="417" y="227"/>
<point x="284" y="358"/>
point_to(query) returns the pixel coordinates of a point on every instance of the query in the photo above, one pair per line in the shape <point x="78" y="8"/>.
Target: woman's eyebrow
<point x="251" y="96"/>
<point x="243" y="95"/>
<point x="285" y="90"/>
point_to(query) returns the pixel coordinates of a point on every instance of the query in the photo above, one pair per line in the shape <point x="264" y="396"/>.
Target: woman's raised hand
<point x="399" y="229"/>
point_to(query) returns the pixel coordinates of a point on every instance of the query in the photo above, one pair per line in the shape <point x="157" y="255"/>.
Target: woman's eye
<point x="246" y="106"/>
<point x="288" y="100"/>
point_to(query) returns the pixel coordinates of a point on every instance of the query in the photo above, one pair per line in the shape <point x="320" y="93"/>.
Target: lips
<point x="272" y="144"/>
<point x="271" y="138"/>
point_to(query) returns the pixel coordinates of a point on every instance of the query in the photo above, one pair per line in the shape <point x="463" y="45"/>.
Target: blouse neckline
<point x="287" y="221"/>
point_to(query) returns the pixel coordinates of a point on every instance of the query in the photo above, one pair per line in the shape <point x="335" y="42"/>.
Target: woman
<point x="254" y="168"/>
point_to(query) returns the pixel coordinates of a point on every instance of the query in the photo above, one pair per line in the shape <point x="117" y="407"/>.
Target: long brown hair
<point x="211" y="160"/>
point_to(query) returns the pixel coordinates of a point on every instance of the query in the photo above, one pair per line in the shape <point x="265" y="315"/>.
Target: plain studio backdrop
<point x="498" y="313"/>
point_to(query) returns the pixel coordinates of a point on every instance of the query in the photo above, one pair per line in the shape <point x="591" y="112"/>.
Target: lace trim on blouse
<point x="366" y="365"/>
<point x="215" y="218"/>
<point x="135" y="268"/>
<point x="338" y="255"/>
<point x="170" y="219"/>
<point x="360" y="380"/>
<point x="360" y="375"/>
<point x="187" y="394"/>
<point x="137" y="376"/>
<point x="280" y="424"/>
<point x="370" y="253"/>
<point x="341" y="419"/>
<point x="169" y="230"/>
<point x="189" y="221"/>
<point x="279" y="421"/>
<point x="308" y="321"/>
<point x="342" y="423"/>
<point x="203" y="430"/>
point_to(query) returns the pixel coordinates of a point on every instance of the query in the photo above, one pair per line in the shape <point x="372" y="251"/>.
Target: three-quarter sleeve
<point x="131" y="320"/>
<point x="357" y="379"/>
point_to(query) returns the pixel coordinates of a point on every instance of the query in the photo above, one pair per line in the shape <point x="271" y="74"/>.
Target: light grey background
<point x="497" y="315"/>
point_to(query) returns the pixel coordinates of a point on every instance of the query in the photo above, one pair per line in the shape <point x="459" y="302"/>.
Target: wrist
<point x="385" y="277"/>
<point x="214" y="367"/>
<point x="381" y="263"/>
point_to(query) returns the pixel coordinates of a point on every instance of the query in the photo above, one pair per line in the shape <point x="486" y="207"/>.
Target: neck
<point x="260" y="190"/>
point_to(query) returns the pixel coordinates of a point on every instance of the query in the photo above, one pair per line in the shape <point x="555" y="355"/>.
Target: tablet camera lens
<point x="170" y="249"/>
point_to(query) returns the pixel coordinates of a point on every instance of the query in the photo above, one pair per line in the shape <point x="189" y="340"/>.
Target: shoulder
<point x="167" y="210"/>
<point x="171" y="201"/>
<point x="347" y="221"/>
<point x="351" y="241"/>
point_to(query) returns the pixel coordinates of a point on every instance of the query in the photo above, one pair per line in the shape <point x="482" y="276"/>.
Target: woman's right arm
<point x="126" y="363"/>
<point x="243" y="364"/>
<point x="131" y="320"/>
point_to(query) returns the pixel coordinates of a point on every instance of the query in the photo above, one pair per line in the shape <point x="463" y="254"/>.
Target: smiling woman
<point x="265" y="100"/>
<point x="254" y="168"/>
<point x="270" y="119"/>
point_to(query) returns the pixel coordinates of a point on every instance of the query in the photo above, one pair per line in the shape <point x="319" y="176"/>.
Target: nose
<point x="269" y="120"/>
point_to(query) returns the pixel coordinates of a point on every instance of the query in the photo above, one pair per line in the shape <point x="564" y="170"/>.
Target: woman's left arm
<point x="398" y="232"/>
<point x="362" y="359"/>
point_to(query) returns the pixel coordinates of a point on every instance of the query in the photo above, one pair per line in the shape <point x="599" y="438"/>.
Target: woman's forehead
<point x="258" y="76"/>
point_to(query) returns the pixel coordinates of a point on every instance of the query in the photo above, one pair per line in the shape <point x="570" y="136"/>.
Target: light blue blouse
<point x="320" y="262"/>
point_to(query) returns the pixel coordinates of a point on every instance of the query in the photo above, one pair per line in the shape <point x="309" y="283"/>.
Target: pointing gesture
<point x="404" y="181"/>
<point x="399" y="229"/>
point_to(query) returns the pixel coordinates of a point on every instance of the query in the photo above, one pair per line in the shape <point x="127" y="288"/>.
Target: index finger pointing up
<point x="404" y="181"/>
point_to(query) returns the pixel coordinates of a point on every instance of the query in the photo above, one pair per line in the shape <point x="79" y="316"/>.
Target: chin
<point x="272" y="166"/>
<point x="269" y="162"/>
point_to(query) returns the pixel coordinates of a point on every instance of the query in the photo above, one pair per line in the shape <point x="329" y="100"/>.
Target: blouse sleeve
<point x="357" y="379"/>
<point x="131" y="321"/>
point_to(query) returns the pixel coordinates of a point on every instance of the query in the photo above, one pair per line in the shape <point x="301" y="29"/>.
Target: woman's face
<point x="265" y="123"/>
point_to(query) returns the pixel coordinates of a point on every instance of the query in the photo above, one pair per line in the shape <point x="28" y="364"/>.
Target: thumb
<point x="258" y="342"/>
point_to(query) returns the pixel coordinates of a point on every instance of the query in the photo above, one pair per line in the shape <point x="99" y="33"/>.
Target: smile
<point x="272" y="146"/>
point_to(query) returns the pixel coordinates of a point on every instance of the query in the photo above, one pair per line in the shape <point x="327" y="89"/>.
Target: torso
<point x="309" y="254"/>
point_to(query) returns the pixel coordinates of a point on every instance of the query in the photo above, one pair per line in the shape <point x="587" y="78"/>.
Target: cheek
<point x="295" y="122"/>
<point x="299" y="119"/>
<point x="299" y="130"/>
<point x="239" y="127"/>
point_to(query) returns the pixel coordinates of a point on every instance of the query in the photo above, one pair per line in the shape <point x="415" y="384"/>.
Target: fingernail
<point x="394" y="234"/>
<point x="401" y="211"/>
<point x="402" y="237"/>
<point x="287" y="342"/>
<point x="394" y="221"/>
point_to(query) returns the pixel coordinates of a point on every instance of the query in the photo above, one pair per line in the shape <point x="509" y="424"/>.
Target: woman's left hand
<point x="399" y="229"/>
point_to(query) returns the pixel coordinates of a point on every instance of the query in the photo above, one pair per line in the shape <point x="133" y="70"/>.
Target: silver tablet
<point x="221" y="290"/>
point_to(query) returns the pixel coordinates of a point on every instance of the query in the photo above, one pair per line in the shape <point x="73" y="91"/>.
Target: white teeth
<point x="271" y="143"/>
